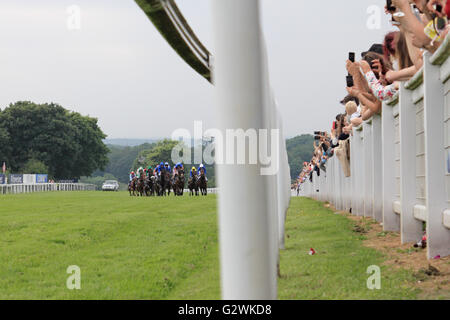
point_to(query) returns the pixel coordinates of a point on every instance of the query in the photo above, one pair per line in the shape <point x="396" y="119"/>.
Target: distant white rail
<point x="44" y="187"/>
<point x="400" y="161"/>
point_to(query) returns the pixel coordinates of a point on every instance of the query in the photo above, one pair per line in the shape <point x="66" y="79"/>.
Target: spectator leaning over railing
<point x="422" y="26"/>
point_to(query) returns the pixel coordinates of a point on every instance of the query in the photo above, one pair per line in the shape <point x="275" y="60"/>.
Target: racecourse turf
<point x="167" y="248"/>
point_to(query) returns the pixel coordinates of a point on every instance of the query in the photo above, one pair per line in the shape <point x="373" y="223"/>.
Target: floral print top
<point x="380" y="91"/>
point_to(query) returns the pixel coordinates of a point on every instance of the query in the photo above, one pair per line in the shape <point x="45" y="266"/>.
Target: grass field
<point x="159" y="248"/>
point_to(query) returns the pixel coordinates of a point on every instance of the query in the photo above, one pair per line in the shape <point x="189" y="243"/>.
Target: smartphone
<point x="334" y="126"/>
<point x="349" y="81"/>
<point x="389" y="5"/>
<point x="438" y="7"/>
<point x="351" y="56"/>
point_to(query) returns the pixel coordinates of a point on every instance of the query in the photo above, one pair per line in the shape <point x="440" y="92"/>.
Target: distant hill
<point x="121" y="160"/>
<point x="299" y="149"/>
<point x="129" y="142"/>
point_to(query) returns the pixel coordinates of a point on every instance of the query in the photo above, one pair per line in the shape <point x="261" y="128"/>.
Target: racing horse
<point x="161" y="182"/>
<point x="193" y="186"/>
<point x="140" y="185"/>
<point x="149" y="186"/>
<point x="178" y="183"/>
<point x="132" y="186"/>
<point x="168" y="183"/>
<point x="202" y="184"/>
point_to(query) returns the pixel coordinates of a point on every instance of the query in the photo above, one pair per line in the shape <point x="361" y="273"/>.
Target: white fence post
<point x="377" y="190"/>
<point x="368" y="168"/>
<point x="247" y="268"/>
<point x="391" y="220"/>
<point x="438" y="236"/>
<point x="411" y="228"/>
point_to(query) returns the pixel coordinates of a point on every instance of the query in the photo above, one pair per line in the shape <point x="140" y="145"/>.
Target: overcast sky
<point x="119" y="69"/>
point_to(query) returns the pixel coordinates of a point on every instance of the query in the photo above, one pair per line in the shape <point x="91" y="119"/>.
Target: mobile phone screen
<point x="349" y="81"/>
<point x="351" y="56"/>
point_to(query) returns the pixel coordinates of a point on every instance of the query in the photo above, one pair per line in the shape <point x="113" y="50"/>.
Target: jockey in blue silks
<point x="161" y="168"/>
<point x="178" y="166"/>
<point x="167" y="167"/>
<point x="201" y="168"/>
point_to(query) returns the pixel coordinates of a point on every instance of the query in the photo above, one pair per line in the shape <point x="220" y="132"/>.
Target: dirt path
<point x="432" y="276"/>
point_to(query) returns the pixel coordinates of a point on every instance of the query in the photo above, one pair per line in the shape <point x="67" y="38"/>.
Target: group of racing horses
<point x="162" y="184"/>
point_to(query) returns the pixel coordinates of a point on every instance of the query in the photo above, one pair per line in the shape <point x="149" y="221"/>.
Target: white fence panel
<point x="400" y="162"/>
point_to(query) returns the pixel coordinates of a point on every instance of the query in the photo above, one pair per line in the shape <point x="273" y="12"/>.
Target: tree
<point x="121" y="160"/>
<point x="299" y="149"/>
<point x="162" y="151"/>
<point x="69" y="144"/>
<point x="34" y="166"/>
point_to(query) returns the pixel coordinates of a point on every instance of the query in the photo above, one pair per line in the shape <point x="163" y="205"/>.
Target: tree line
<point x="47" y="138"/>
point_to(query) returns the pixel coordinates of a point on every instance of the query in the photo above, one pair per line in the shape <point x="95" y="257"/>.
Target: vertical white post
<point x="368" y="169"/>
<point x="438" y="236"/>
<point x="247" y="268"/>
<point x="411" y="228"/>
<point x="357" y="173"/>
<point x="391" y="221"/>
<point x="377" y="169"/>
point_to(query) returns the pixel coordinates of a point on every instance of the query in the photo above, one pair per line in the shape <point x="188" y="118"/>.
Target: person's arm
<point x="356" y="122"/>
<point x="411" y="23"/>
<point x="353" y="69"/>
<point x="401" y="75"/>
<point x="380" y="91"/>
<point x="375" y="106"/>
<point x="366" y="115"/>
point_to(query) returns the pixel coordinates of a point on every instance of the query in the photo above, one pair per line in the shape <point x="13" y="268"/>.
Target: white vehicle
<point x="110" y="185"/>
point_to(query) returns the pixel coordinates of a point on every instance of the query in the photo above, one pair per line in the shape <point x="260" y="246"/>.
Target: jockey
<point x="149" y="171"/>
<point x="161" y="168"/>
<point x="193" y="172"/>
<point x="167" y="167"/>
<point x="175" y="169"/>
<point x="132" y="175"/>
<point x="139" y="172"/>
<point x="201" y="168"/>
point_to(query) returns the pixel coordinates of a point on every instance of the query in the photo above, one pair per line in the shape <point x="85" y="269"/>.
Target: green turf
<point x="160" y="248"/>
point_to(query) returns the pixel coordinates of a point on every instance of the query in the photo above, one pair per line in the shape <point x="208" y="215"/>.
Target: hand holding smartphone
<point x="349" y="81"/>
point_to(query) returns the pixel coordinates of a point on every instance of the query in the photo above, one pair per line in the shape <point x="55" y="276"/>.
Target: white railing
<point x="400" y="161"/>
<point x="209" y="190"/>
<point x="252" y="206"/>
<point x="43" y="187"/>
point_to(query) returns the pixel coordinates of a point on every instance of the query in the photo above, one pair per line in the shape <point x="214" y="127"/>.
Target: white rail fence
<point x="252" y="205"/>
<point x="43" y="187"/>
<point x="400" y="161"/>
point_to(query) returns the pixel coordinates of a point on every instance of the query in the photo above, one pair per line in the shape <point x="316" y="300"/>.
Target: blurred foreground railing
<point x="400" y="161"/>
<point x="43" y="187"/>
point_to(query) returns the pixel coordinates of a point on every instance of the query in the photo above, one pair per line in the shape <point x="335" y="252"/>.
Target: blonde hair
<point x="351" y="108"/>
